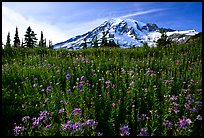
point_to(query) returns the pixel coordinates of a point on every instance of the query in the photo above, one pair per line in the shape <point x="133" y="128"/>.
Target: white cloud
<point x="141" y="13"/>
<point x="11" y="19"/>
<point x="57" y="32"/>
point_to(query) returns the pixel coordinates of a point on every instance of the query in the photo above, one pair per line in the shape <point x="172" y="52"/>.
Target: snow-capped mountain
<point x="127" y="33"/>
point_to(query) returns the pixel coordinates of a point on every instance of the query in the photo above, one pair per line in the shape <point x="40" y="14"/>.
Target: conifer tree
<point x="16" y="39"/>
<point x="30" y="39"/>
<point x="117" y="44"/>
<point x="95" y="42"/>
<point x="22" y="45"/>
<point x="50" y="44"/>
<point x="45" y="43"/>
<point x="104" y="40"/>
<point x="8" y="41"/>
<point x="85" y="44"/>
<point x="34" y="39"/>
<point x="163" y="41"/>
<point x="41" y="42"/>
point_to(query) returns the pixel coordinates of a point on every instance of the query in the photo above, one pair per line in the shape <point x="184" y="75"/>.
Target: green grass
<point x="138" y="88"/>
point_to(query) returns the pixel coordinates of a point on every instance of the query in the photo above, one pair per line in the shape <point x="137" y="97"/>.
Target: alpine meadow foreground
<point x="103" y="91"/>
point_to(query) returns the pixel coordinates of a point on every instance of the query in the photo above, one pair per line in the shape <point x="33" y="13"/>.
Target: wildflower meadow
<point x="103" y="91"/>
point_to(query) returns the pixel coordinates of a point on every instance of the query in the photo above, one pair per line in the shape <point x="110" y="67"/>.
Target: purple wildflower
<point x="76" y="126"/>
<point x="143" y="132"/>
<point x="167" y="123"/>
<point x="143" y="115"/>
<point x="68" y="76"/>
<point x="89" y="122"/>
<point x="82" y="78"/>
<point x="76" y="111"/>
<point x="81" y="84"/>
<point x="36" y="122"/>
<point x="139" y="119"/>
<point x="173" y="97"/>
<point x="69" y="90"/>
<point x="34" y="85"/>
<point x="48" y="126"/>
<point x="81" y="90"/>
<point x="17" y="130"/>
<point x="61" y="111"/>
<point x="184" y="122"/>
<point x="151" y="71"/>
<point x="124" y="131"/>
<point x="25" y="119"/>
<point x="67" y="125"/>
<point x="49" y="88"/>
<point x="74" y="87"/>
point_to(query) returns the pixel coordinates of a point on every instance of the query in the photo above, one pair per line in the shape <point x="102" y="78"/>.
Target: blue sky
<point x="61" y="20"/>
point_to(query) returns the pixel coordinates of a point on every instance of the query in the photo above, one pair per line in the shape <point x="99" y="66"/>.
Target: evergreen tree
<point x="145" y="45"/>
<point x="8" y="41"/>
<point x="45" y="43"/>
<point x="95" y="42"/>
<point x="16" y="39"/>
<point x="85" y="44"/>
<point x="22" y="44"/>
<point x="117" y="44"/>
<point x="50" y="44"/>
<point x="163" y="41"/>
<point x="42" y="41"/>
<point x="104" y="39"/>
<point x="34" y="39"/>
<point x="30" y="39"/>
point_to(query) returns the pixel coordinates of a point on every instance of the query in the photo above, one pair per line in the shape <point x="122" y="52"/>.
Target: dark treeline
<point x="29" y="41"/>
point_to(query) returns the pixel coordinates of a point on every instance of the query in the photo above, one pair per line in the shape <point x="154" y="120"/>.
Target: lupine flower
<point x="184" y="122"/>
<point x="61" y="111"/>
<point x="68" y="76"/>
<point x="76" y="111"/>
<point x="69" y="90"/>
<point x="81" y="84"/>
<point x="167" y="123"/>
<point x="49" y="88"/>
<point x="199" y="102"/>
<point x="36" y="122"/>
<point x="173" y="97"/>
<point x="67" y="125"/>
<point x="143" y="132"/>
<point x="124" y="131"/>
<point x="76" y="126"/>
<point x="17" y="130"/>
<point x="25" y="119"/>
<point x="90" y="122"/>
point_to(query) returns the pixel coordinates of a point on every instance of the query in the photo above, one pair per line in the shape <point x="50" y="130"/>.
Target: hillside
<point x="104" y="91"/>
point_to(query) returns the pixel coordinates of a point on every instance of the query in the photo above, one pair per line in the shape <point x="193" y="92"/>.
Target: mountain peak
<point x="127" y="32"/>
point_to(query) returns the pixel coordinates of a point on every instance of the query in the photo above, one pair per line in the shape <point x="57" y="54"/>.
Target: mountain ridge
<point x="127" y="32"/>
